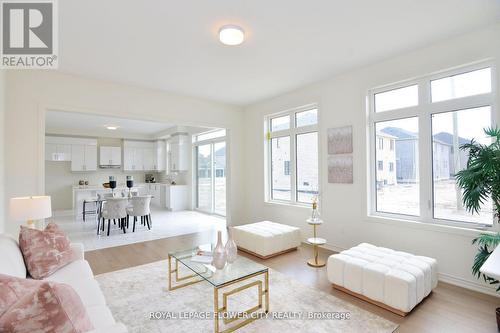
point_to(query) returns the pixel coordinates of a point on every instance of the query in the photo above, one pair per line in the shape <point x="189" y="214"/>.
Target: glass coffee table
<point x="243" y="272"/>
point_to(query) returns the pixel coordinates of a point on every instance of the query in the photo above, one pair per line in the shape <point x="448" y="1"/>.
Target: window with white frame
<point x="292" y="151"/>
<point x="426" y="120"/>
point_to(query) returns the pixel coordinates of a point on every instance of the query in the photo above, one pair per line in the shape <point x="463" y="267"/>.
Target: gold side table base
<point x="316" y="263"/>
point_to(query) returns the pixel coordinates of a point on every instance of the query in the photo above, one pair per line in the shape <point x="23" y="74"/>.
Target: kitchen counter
<point x="165" y="195"/>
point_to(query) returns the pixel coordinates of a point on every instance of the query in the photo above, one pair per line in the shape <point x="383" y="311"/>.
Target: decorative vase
<point x="219" y="253"/>
<point x="231" y="248"/>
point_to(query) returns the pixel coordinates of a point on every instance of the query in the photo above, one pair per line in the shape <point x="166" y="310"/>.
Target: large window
<point x="417" y="129"/>
<point x="292" y="143"/>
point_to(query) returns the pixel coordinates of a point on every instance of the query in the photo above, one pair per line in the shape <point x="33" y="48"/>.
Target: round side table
<point x="315" y="242"/>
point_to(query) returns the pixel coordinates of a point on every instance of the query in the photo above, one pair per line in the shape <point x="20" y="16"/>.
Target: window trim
<point x="292" y="132"/>
<point x="424" y="111"/>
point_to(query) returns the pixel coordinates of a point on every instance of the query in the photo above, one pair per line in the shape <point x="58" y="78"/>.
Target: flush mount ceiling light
<point x="231" y="35"/>
<point x="112" y="128"/>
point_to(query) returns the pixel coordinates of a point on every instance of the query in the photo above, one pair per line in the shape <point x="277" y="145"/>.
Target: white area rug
<point x="165" y="224"/>
<point x="132" y="294"/>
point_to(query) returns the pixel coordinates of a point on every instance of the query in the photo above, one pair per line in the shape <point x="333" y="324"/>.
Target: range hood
<point x="110" y="157"/>
<point x="109" y="166"/>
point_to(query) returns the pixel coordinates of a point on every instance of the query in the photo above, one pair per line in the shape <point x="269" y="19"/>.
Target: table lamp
<point x="30" y="209"/>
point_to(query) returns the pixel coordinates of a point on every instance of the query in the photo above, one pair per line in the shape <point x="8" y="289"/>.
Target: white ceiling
<point x="173" y="45"/>
<point x="71" y="123"/>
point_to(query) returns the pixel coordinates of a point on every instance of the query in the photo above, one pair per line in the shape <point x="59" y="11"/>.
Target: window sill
<point x="289" y="204"/>
<point x="448" y="229"/>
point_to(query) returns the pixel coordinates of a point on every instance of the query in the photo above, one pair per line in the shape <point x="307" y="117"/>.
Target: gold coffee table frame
<point x="263" y="295"/>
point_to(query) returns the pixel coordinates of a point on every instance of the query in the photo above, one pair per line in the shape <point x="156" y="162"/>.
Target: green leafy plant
<point x="480" y="181"/>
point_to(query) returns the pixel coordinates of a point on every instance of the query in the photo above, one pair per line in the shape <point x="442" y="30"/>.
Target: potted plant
<point x="480" y="181"/>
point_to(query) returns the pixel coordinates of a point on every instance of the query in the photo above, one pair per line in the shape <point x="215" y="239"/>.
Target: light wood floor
<point x="447" y="309"/>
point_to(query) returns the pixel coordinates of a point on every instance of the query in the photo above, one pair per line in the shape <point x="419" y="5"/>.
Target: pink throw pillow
<point x="13" y="288"/>
<point x="45" y="251"/>
<point x="41" y="307"/>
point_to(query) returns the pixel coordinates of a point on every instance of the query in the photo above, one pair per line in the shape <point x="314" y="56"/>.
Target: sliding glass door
<point x="211" y="177"/>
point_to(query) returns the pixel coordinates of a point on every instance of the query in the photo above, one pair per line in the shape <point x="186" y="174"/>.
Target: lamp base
<point x="30" y="224"/>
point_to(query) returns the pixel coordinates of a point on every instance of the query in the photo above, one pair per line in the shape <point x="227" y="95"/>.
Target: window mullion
<point x="293" y="164"/>
<point x="425" y="152"/>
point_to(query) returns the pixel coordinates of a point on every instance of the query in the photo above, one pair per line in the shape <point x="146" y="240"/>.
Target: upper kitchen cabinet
<point x="81" y="152"/>
<point x="56" y="149"/>
<point x="178" y="152"/>
<point x="144" y="155"/>
<point x="110" y="157"/>
<point x="83" y="157"/>
<point x="160" y="156"/>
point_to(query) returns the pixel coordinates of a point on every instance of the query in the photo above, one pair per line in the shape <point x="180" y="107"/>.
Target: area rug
<point x="139" y="298"/>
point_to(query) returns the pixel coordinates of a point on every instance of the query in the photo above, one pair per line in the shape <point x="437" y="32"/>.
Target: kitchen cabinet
<point x="159" y="151"/>
<point x="83" y="157"/>
<point x="57" y="151"/>
<point x="133" y="159"/>
<point x="144" y="155"/>
<point x="148" y="160"/>
<point x="175" y="197"/>
<point x="178" y="153"/>
<point x="110" y="156"/>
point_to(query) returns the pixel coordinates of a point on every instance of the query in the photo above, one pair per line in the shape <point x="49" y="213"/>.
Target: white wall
<point x="2" y="149"/>
<point x="344" y="206"/>
<point x="29" y="93"/>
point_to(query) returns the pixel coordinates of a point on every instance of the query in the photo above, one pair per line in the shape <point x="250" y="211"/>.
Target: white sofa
<point x="77" y="274"/>
<point x="266" y="239"/>
<point x="394" y="280"/>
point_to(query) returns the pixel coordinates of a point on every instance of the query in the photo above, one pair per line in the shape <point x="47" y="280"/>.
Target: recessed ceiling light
<point x="231" y="35"/>
<point x="112" y="128"/>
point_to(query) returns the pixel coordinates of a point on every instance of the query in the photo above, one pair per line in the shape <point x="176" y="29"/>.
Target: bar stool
<point x="95" y="210"/>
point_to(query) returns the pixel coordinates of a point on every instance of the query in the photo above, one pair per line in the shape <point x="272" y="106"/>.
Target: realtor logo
<point x="29" y="34"/>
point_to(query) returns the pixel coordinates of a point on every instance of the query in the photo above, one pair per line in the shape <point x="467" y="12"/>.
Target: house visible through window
<point x="293" y="156"/>
<point x="420" y="184"/>
<point x="287" y="168"/>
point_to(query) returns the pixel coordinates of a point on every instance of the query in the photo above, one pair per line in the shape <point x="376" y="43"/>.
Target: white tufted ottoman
<point x="394" y="280"/>
<point x="266" y="239"/>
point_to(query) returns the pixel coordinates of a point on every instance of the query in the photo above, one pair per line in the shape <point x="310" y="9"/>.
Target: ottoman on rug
<point x="266" y="239"/>
<point x="394" y="280"/>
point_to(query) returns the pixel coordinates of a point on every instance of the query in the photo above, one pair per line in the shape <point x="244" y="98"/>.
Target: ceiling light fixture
<point x="231" y="35"/>
<point x="112" y="128"/>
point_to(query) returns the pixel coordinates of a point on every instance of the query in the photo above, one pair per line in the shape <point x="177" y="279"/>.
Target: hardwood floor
<point x="447" y="309"/>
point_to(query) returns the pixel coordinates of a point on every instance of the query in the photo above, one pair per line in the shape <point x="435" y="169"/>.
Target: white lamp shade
<point x="30" y="208"/>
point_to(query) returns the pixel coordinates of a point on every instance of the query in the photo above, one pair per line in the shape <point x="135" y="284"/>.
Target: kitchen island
<point x="166" y="196"/>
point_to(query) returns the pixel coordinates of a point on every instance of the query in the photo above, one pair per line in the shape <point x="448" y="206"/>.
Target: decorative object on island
<point x="340" y="160"/>
<point x="30" y="209"/>
<point x="219" y="253"/>
<point x="479" y="181"/>
<point x="130" y="184"/>
<point x="112" y="183"/>
<point x="231" y="248"/>
<point x="315" y="241"/>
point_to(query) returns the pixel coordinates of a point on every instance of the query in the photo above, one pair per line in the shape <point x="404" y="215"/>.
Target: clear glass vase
<point x="231" y="248"/>
<point x="219" y="253"/>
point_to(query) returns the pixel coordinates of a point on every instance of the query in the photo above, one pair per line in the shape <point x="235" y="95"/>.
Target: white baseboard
<point x="447" y="278"/>
<point x="476" y="286"/>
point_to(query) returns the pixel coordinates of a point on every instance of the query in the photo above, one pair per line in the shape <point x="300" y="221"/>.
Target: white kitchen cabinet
<point x="156" y="191"/>
<point x="144" y="155"/>
<point x="159" y="156"/>
<point x="83" y="157"/>
<point x="178" y="153"/>
<point x="148" y="158"/>
<point x="175" y="197"/>
<point x="110" y="156"/>
<point x="57" y="152"/>
<point x="133" y="158"/>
